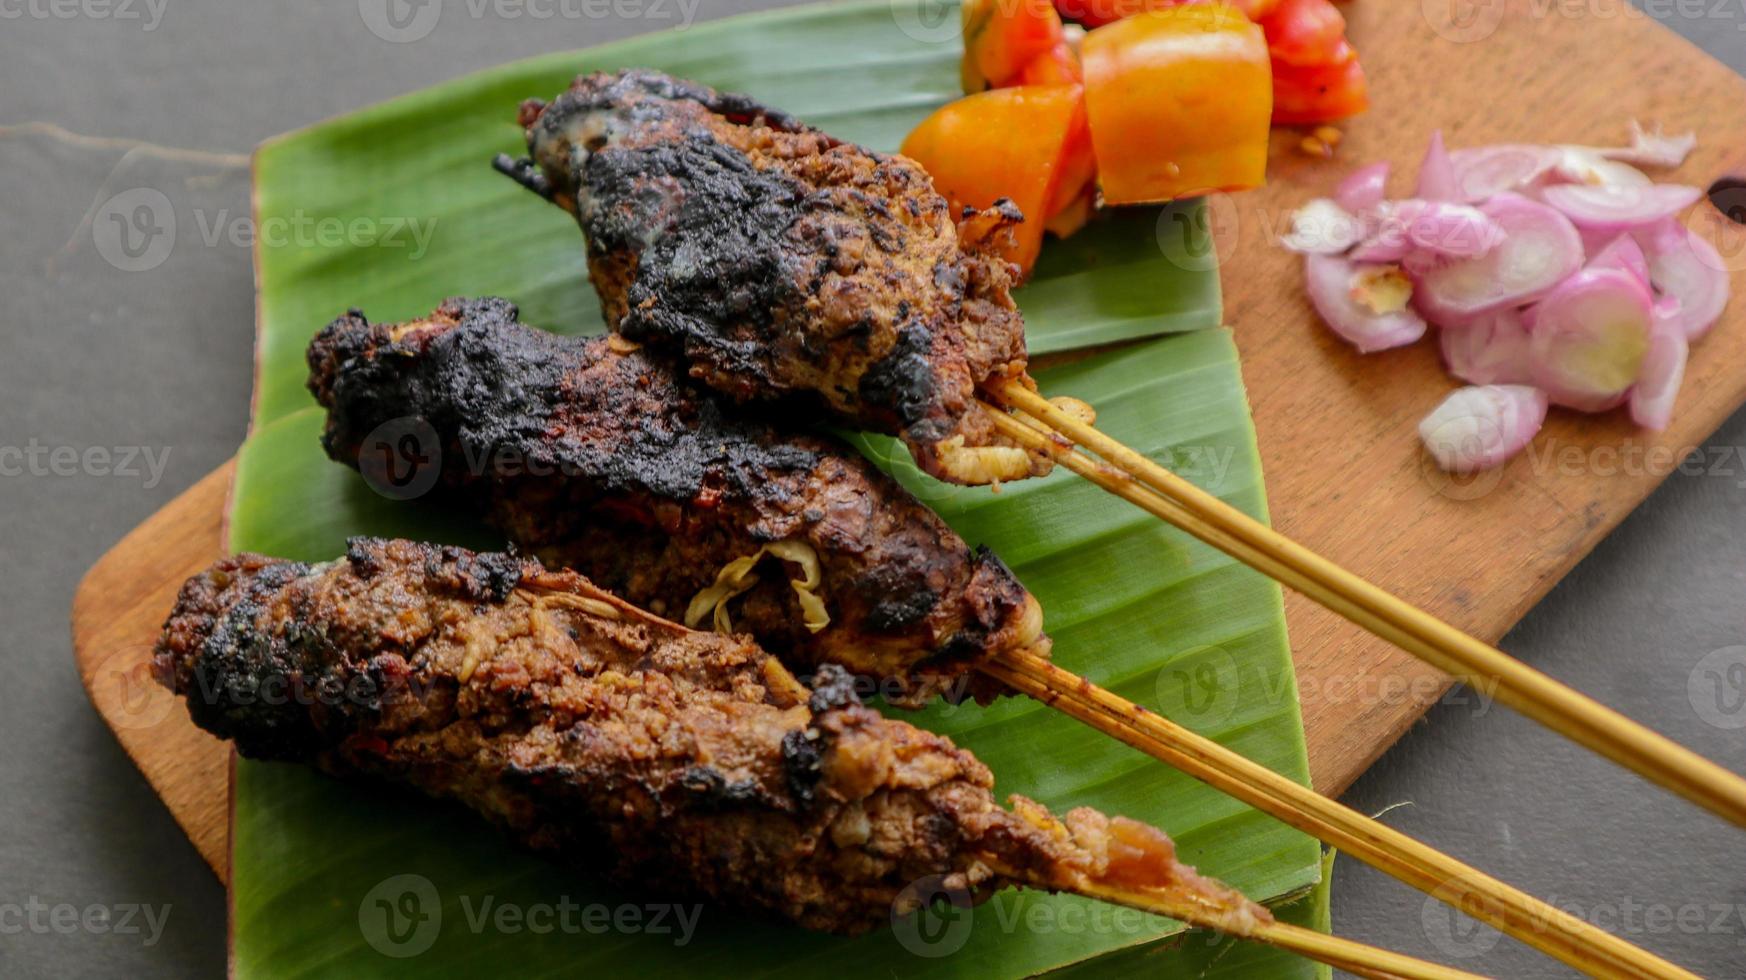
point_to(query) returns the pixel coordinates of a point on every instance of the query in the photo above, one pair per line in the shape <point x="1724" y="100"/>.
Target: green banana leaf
<point x="397" y="206"/>
<point x="331" y="878"/>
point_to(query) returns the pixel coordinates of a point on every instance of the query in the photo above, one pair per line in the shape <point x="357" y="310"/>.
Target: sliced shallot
<point x="1622" y="253"/>
<point x="1441" y="229"/>
<point x="1480" y="427"/>
<point x="1683" y="265"/>
<point x="1652" y="149"/>
<point x="1589" y="338"/>
<point x="1486" y="171"/>
<point x="1615" y="209"/>
<point x="1437" y="172"/>
<point x="1662" y="373"/>
<point x="1492" y="350"/>
<point x="1555" y="274"/>
<point x="1581" y="165"/>
<point x="1540" y="248"/>
<point x="1363" y="189"/>
<point x="1323" y="227"/>
<point x="1365" y="304"/>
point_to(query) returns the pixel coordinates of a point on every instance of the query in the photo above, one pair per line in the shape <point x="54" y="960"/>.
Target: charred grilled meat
<point x="686" y="763"/>
<point x="784" y="264"/>
<point x="598" y="458"/>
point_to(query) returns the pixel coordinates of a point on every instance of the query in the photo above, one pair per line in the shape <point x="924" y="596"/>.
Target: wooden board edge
<point x="117" y="611"/>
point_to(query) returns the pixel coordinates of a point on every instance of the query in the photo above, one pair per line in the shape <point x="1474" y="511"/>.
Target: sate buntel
<point x="679" y="762"/>
<point x="782" y="263"/>
<point x="599" y="458"/>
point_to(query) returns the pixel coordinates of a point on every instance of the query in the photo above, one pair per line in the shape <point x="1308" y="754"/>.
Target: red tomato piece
<point x="1319" y="94"/>
<point x="1305" y="32"/>
<point x="1001" y="37"/>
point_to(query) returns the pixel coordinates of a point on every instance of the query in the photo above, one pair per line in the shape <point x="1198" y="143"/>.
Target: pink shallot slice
<point x="1479" y="427"/>
<point x="1492" y="350"/>
<point x="1589" y="339"/>
<point x="1540" y="248"/>
<point x="1683" y="265"/>
<point x="1363" y="189"/>
<point x="1484" y="172"/>
<point x="1365" y="304"/>
<point x="1662" y="373"/>
<point x="1437" y="172"/>
<point x="1618" y="209"/>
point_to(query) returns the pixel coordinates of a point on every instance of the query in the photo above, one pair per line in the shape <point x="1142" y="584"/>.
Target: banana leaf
<point x="331" y="878"/>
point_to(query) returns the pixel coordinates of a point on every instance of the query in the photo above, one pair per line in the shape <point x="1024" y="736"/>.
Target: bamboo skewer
<point x="1566" y="938"/>
<point x="1530" y="692"/>
<point x="1344" y="954"/>
<point x="1554" y="932"/>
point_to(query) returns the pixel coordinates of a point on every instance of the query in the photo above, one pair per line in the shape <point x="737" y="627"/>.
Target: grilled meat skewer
<point x="687" y="763"/>
<point x="602" y="459"/>
<point x="785" y="264"/>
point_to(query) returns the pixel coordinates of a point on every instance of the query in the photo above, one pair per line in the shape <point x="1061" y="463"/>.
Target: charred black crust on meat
<point x="783" y="265"/>
<point x="604" y="460"/>
<point x="902" y="382"/>
<point x="502" y="398"/>
<point x="622" y="743"/>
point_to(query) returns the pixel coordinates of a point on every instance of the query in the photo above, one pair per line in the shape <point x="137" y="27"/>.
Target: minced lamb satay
<point x="780" y="263"/>
<point x="682" y="762"/>
<point x="598" y="457"/>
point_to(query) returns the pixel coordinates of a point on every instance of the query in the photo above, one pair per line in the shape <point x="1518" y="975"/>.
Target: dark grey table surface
<point x="102" y="364"/>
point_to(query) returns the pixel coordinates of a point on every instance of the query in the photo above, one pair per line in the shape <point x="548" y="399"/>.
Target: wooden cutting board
<point x="1345" y="474"/>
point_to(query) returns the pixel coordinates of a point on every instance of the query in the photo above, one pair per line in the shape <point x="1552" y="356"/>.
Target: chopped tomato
<point x="1078" y="171"/>
<point x="1096" y="13"/>
<point x="1067" y="221"/>
<point x="1001" y="37"/>
<point x="1305" y="32"/>
<point x="1057" y="66"/>
<point x="1014" y="143"/>
<point x="1179" y="102"/>
<point x="1319" y="94"/>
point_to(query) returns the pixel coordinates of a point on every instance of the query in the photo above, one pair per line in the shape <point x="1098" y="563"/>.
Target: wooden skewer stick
<point x="1344" y="954"/>
<point x="1530" y="692"/>
<point x="1553" y="931"/>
